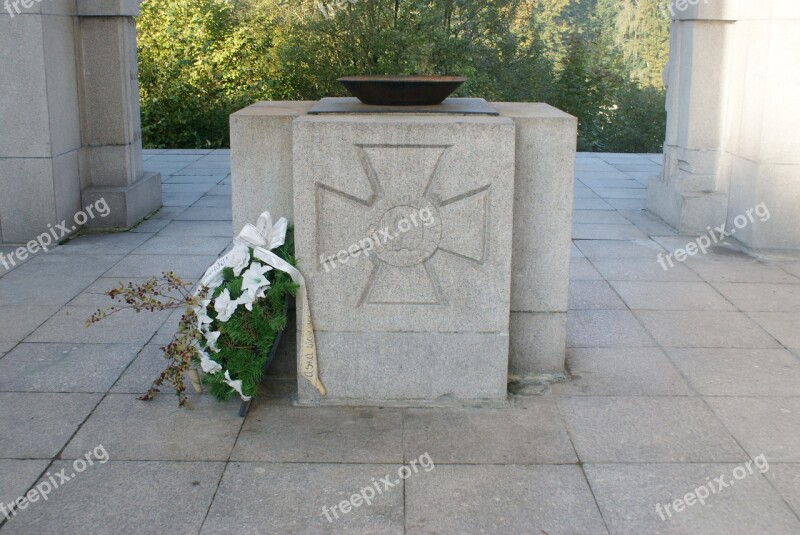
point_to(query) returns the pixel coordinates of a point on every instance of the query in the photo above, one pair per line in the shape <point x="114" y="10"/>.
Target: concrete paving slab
<point x="602" y="217"/>
<point x="768" y="426"/>
<point x="177" y="245"/>
<point x="786" y="479"/>
<point x="64" y="367"/>
<point x="719" y="268"/>
<point x="641" y="295"/>
<point x="18" y="477"/>
<point x="158" y="430"/>
<point x="143" y="266"/>
<point x="124" y="327"/>
<point x="628" y="495"/>
<point x="124" y="497"/>
<point x="751" y="297"/>
<point x="38" y="425"/>
<point x="621" y="372"/>
<point x="501" y="499"/>
<point x="647" y="429"/>
<point x="739" y="372"/>
<point x="140" y="374"/>
<point x="18" y="321"/>
<point x="533" y="434"/>
<point x="704" y="329"/>
<point x="644" y="249"/>
<point x="582" y="269"/>
<point x="289" y="498"/>
<point x="592" y="231"/>
<point x="605" y="328"/>
<point x="117" y="243"/>
<point x="781" y="325"/>
<point x="593" y="295"/>
<point x="321" y="434"/>
<point x="198" y="228"/>
<point x="642" y="269"/>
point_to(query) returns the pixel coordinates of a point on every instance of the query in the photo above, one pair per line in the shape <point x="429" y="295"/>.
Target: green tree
<point x="201" y="60"/>
<point x="198" y="62"/>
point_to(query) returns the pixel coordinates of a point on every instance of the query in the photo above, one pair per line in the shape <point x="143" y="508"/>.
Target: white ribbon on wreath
<point x="263" y="237"/>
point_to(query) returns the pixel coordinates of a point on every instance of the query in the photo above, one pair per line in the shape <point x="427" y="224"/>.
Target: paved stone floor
<point x="679" y="377"/>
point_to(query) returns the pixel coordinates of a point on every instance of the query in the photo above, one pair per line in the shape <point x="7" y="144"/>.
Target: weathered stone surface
<point x="447" y="276"/>
<point x="427" y="297"/>
<point x="131" y="429"/>
<point x="126" y="497"/>
<point x="629" y="493"/>
<point x="128" y="204"/>
<point x="261" y="160"/>
<point x="528" y="435"/>
<point x="621" y="372"/>
<point x="64" y="367"/>
<point x="289" y="498"/>
<point x="321" y="434"/>
<point x="72" y="117"/>
<point x="647" y="429"/>
<point x="18" y="476"/>
<point x="376" y="367"/>
<point x="545" y="169"/>
<point x="537" y="343"/>
<point x="37" y="426"/>
<point x="501" y="499"/>
<point x="768" y="426"/>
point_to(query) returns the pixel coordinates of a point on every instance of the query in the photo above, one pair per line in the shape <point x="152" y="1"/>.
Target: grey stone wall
<point x="69" y="117"/>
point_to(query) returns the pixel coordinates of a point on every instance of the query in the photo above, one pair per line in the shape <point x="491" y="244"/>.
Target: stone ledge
<point x="108" y="8"/>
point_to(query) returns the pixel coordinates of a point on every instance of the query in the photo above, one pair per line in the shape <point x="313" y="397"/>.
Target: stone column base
<point x="128" y="204"/>
<point x="537" y="344"/>
<point x="690" y="213"/>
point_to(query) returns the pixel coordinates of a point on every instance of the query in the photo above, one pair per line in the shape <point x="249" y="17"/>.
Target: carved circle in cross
<point x="405" y="237"/>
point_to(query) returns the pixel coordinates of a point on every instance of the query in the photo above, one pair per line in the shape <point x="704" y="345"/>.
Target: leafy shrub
<point x="201" y="60"/>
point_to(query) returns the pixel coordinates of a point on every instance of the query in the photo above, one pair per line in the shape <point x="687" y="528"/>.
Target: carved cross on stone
<point x="409" y="222"/>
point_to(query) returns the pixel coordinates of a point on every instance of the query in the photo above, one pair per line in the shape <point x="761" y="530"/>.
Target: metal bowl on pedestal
<point x="401" y="90"/>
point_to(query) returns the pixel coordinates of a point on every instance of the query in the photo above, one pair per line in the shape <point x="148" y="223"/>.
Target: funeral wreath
<point x="230" y="320"/>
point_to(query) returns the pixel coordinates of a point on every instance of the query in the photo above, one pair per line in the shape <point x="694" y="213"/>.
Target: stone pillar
<point x="543" y="187"/>
<point x="40" y="138"/>
<point x="733" y="80"/>
<point x="112" y="135"/>
<point x="69" y="116"/>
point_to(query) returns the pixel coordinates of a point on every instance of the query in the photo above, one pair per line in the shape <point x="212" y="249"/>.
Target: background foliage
<point x="600" y="60"/>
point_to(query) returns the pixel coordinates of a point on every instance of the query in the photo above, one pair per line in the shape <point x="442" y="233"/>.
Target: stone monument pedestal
<point x="435" y="246"/>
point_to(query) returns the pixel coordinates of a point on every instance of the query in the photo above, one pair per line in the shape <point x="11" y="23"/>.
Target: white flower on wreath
<point x="211" y="340"/>
<point x="201" y="311"/>
<point x="225" y="306"/>
<point x="238" y="259"/>
<point x="236" y="385"/>
<point x="208" y="365"/>
<point x="254" y="284"/>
